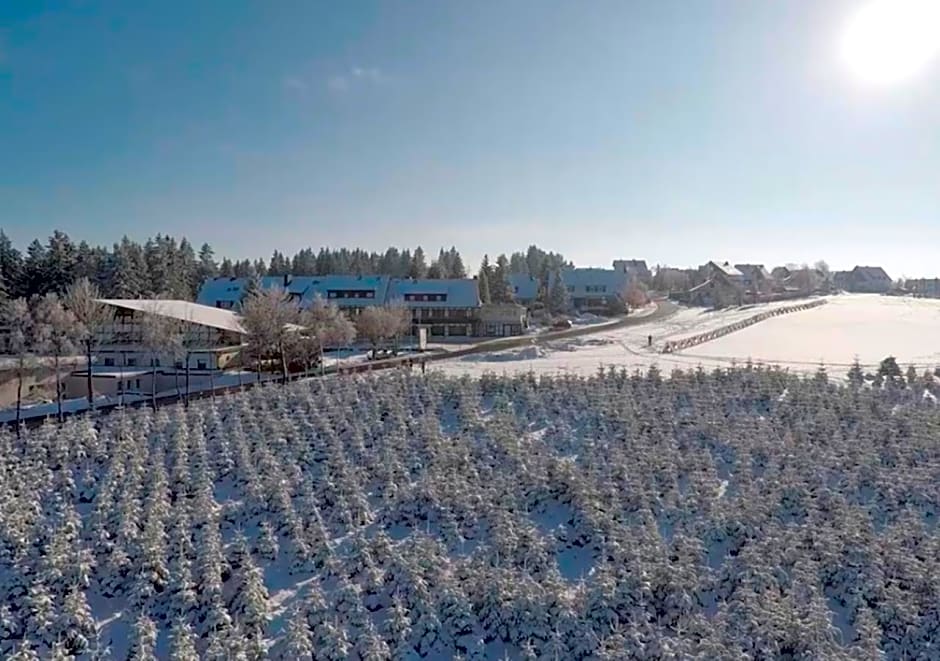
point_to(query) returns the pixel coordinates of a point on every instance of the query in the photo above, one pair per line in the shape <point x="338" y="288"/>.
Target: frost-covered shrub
<point x="742" y="513"/>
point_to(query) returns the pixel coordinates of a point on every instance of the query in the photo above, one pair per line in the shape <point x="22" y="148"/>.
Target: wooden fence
<point x="694" y="340"/>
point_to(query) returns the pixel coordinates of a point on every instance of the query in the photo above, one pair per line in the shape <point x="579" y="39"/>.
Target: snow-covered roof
<point x="872" y="272"/>
<point x="524" y="286"/>
<point x="582" y="282"/>
<point x="230" y="290"/>
<point x="194" y="313"/>
<point x="351" y="291"/>
<point x="456" y="293"/>
<point x="753" y="270"/>
<point x="727" y="269"/>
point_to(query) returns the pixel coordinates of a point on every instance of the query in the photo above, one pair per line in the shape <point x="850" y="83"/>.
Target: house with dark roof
<point x="594" y="290"/>
<point x="351" y="293"/>
<point x="636" y="268"/>
<point x="756" y="279"/>
<point x="226" y="293"/>
<point x="864" y="280"/>
<point x="447" y="307"/>
<point x="924" y="287"/>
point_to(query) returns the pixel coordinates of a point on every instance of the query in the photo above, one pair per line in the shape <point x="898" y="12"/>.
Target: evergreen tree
<point x="558" y="299"/>
<point x="298" y="643"/>
<point x="187" y="282"/>
<point x="486" y="277"/>
<point x="182" y="642"/>
<point x="75" y="626"/>
<point x="11" y="268"/>
<point x="34" y="280"/>
<point x="158" y="267"/>
<point x="128" y="277"/>
<point x="226" y="268"/>
<point x="143" y="640"/>
<point x="325" y="263"/>
<point x="278" y="265"/>
<point x="206" y="267"/>
<point x="889" y="369"/>
<point x="443" y="263"/>
<point x="457" y="269"/>
<point x="390" y="262"/>
<point x="250" y="605"/>
<point x="856" y="374"/>
<point x="304" y="263"/>
<point x="91" y="263"/>
<point x="418" y="267"/>
<point x="518" y="264"/>
<point x="500" y="287"/>
<point x="59" y="270"/>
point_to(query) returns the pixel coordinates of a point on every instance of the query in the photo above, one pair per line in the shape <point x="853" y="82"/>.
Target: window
<point x="137" y="383"/>
<point x="431" y="298"/>
<point x="120" y="386"/>
<point x="350" y="293"/>
<point x="178" y="364"/>
<point x="109" y="362"/>
<point x="132" y="362"/>
<point x="200" y="364"/>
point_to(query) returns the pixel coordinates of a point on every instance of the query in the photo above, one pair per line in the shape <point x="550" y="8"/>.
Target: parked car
<point x="382" y="354"/>
<point x="561" y="324"/>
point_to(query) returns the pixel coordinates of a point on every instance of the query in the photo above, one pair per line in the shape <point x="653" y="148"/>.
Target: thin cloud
<point x="295" y="84"/>
<point x="336" y="83"/>
<point x="357" y="77"/>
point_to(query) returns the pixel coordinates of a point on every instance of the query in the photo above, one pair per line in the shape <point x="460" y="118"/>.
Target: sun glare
<point x="890" y="41"/>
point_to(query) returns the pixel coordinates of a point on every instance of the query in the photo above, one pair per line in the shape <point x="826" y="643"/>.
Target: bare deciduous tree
<point x="17" y="317"/>
<point x="55" y="331"/>
<point x="636" y="297"/>
<point x="381" y="324"/>
<point x="270" y="319"/>
<point x="324" y="325"/>
<point x="93" y="319"/>
<point x="161" y="336"/>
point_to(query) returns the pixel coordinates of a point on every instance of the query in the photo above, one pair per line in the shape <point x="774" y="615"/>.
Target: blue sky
<point x="674" y="130"/>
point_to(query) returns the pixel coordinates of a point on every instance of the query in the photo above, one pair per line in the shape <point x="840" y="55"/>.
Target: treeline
<point x="167" y="267"/>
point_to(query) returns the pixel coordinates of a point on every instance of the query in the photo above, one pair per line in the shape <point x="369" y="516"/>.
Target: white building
<point x="211" y="340"/>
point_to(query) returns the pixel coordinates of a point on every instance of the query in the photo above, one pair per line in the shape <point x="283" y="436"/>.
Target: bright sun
<point x="890" y="41"/>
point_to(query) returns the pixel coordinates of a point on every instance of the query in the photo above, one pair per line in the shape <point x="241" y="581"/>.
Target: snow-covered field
<point x="870" y="327"/>
<point x="741" y="514"/>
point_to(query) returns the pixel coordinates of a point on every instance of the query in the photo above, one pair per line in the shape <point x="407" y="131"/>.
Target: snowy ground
<point x="625" y="347"/>
<point x="870" y="327"/>
<point x="411" y="517"/>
